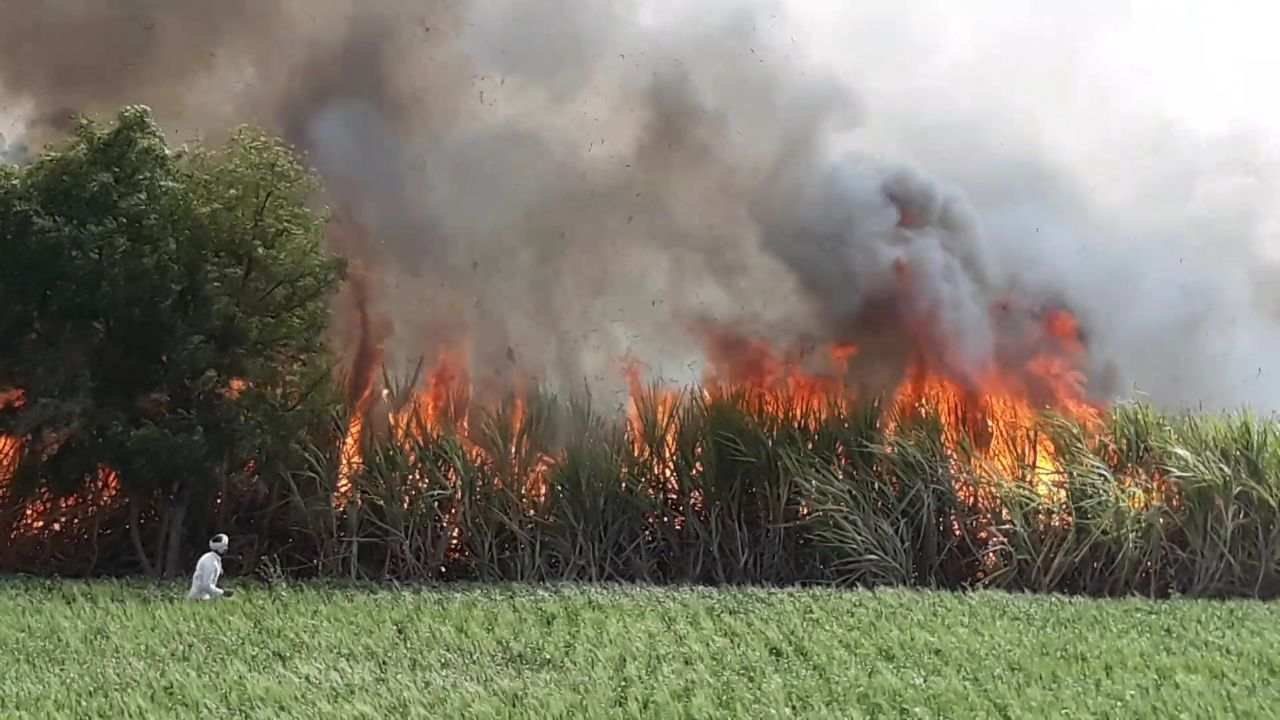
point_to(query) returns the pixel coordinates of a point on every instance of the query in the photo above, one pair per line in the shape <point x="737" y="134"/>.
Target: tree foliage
<point x="164" y="311"/>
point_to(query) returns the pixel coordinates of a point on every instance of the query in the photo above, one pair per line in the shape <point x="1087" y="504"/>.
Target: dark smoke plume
<point x="567" y="183"/>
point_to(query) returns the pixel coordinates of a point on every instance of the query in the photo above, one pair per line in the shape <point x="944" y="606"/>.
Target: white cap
<point x="219" y="543"/>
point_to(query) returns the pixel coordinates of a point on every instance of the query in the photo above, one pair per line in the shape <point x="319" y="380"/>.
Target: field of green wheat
<point x="81" y="650"/>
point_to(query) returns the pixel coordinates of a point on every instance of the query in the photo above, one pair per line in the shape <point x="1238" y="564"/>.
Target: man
<point x="204" y="583"/>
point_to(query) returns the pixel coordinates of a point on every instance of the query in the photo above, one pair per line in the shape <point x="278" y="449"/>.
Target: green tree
<point x="165" y="313"/>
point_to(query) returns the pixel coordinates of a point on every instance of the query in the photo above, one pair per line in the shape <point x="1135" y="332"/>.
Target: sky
<point x="1210" y="66"/>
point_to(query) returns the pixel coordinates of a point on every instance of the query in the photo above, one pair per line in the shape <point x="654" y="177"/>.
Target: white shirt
<point x="204" y="583"/>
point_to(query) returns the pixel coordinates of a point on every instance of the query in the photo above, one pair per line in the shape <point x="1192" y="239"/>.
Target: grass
<point x="129" y="651"/>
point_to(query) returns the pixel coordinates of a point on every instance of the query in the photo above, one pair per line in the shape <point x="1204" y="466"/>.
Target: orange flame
<point x="989" y="416"/>
<point x="46" y="514"/>
<point x="441" y="404"/>
<point x="10" y="447"/>
<point x="349" y="459"/>
<point x="235" y="388"/>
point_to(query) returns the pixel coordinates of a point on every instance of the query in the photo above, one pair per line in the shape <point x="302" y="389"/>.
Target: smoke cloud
<point x="564" y="185"/>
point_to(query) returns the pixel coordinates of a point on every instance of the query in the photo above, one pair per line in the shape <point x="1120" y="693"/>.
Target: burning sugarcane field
<point x="730" y="358"/>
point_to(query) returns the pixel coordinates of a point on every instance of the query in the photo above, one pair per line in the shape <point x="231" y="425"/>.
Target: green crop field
<point x="82" y="650"/>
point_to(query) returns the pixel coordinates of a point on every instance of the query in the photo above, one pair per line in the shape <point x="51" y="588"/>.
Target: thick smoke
<point x="567" y="184"/>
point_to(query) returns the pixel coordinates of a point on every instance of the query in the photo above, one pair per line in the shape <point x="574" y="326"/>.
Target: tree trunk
<point x="222" y="497"/>
<point x="135" y="533"/>
<point x="162" y="535"/>
<point x="262" y="527"/>
<point x="8" y="553"/>
<point x="177" y="533"/>
<point x="95" y="550"/>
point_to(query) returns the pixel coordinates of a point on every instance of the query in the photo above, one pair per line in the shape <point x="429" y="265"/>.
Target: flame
<point x="235" y="388"/>
<point x="443" y="402"/>
<point x="46" y="514"/>
<point x="368" y="356"/>
<point x="991" y="418"/>
<point x="349" y="459"/>
<point x="988" y="419"/>
<point x="349" y="454"/>
<point x="10" y="447"/>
